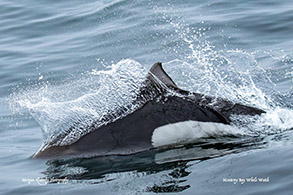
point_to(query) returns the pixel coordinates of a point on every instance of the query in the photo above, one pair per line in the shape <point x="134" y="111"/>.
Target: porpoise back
<point x="133" y="133"/>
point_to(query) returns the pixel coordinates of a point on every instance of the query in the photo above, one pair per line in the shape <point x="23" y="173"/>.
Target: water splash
<point x="233" y="74"/>
<point x="69" y="118"/>
<point x="66" y="110"/>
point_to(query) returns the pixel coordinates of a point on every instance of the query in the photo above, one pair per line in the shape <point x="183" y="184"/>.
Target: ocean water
<point x="64" y="63"/>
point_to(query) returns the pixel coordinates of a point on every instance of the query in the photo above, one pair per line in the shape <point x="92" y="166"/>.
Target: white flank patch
<point x="190" y="130"/>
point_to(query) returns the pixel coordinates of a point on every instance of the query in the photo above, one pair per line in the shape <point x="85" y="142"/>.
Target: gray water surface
<point x="53" y="53"/>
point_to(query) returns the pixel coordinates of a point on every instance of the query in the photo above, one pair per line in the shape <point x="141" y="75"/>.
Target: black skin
<point x="133" y="133"/>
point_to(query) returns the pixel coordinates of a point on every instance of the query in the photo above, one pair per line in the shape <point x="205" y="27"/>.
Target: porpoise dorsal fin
<point x="158" y="71"/>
